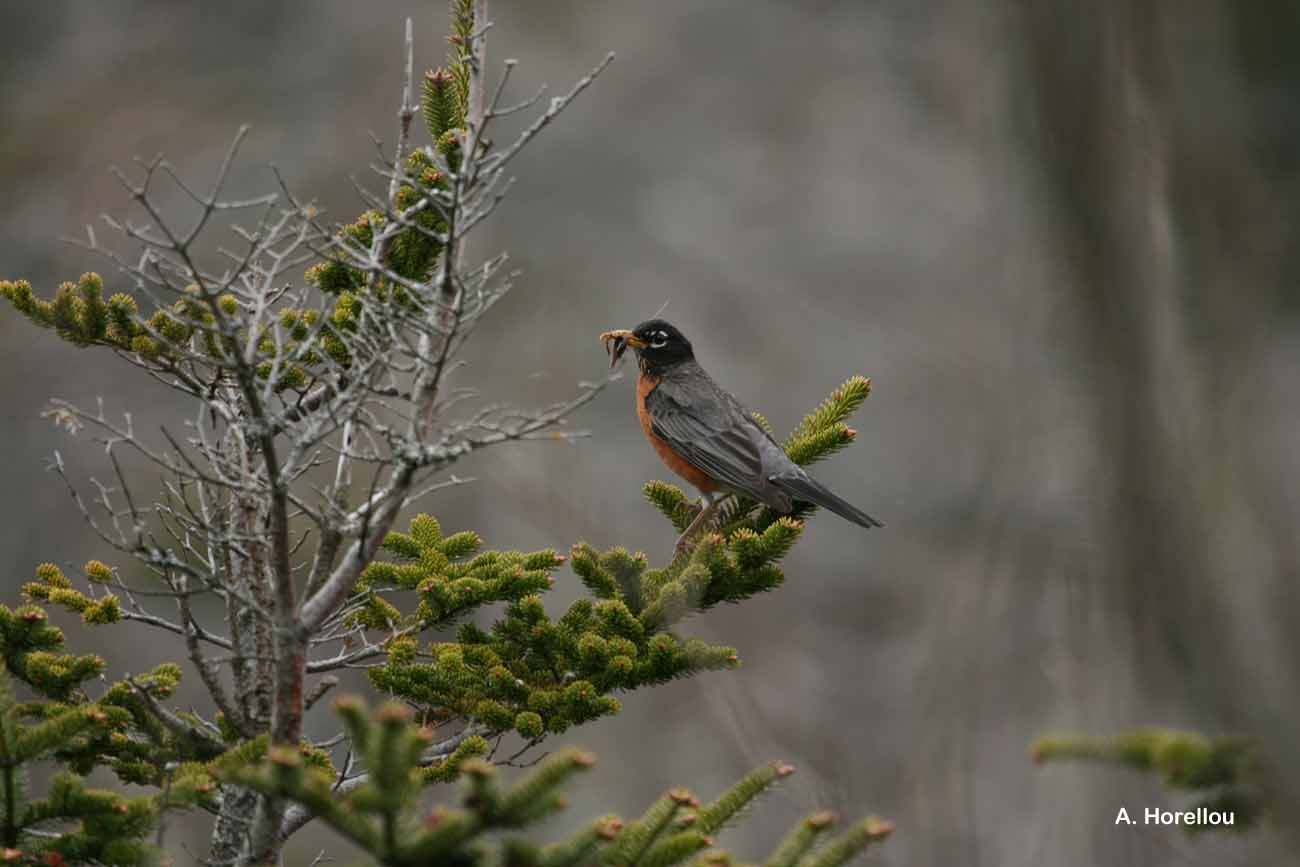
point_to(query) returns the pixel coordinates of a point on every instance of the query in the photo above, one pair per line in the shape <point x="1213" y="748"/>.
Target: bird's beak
<point x="617" y="342"/>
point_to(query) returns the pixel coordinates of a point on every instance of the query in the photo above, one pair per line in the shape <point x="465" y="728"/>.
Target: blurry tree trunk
<point x="1138" y="121"/>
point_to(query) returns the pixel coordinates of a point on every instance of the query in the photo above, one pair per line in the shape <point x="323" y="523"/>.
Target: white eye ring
<point x="660" y="341"/>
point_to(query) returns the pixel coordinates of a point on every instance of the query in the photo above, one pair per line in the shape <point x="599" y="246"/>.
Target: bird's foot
<point x="699" y="524"/>
<point x="687" y="541"/>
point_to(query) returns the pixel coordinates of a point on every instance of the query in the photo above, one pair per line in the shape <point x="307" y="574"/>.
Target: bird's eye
<point x="660" y="340"/>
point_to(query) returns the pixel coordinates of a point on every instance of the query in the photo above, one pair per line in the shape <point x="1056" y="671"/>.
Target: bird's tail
<point x="802" y="487"/>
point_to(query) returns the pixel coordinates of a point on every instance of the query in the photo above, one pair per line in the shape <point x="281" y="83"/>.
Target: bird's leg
<point x="710" y="504"/>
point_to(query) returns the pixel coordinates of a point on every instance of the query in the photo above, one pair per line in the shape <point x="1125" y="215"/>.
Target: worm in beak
<point x="617" y="342"/>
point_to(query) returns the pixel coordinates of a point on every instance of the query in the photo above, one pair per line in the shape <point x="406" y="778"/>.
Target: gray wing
<point x="714" y="433"/>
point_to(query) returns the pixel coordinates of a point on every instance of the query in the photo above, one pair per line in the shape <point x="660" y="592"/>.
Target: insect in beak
<point x="617" y="342"/>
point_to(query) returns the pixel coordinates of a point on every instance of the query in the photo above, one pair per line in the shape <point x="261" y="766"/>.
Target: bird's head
<point x="657" y="343"/>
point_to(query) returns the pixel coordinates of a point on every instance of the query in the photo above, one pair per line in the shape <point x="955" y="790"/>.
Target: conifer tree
<point x="317" y="359"/>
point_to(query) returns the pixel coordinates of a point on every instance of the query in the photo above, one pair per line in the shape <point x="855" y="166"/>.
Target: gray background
<point x="1059" y="237"/>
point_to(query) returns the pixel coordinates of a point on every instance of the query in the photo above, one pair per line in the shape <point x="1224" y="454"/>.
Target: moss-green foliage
<point x="79" y="314"/>
<point x="63" y="723"/>
<point x="528" y="673"/>
<point x="305" y="340"/>
<point x="460" y="52"/>
<point x="801" y="839"/>
<point x="841" y="404"/>
<point x="678" y="825"/>
<point x="78" y="824"/>
<point x="412" y="252"/>
<point x="445" y="96"/>
<point x="393" y="753"/>
<point x="1219" y="772"/>
<point x="31" y="649"/>
<point x="136" y="746"/>
<point x="111" y="828"/>
<point x="449" y="581"/>
<point x="441" y="102"/>
<point x="381" y="816"/>
<point x="77" y="310"/>
<point x="54" y="588"/>
<point x="538" y="675"/>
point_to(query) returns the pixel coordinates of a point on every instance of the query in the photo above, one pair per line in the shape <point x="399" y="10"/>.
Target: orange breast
<point x="644" y="385"/>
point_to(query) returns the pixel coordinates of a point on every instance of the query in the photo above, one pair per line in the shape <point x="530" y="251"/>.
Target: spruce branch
<point x="367" y="808"/>
<point x="1220" y="773"/>
<point x="800" y="840"/>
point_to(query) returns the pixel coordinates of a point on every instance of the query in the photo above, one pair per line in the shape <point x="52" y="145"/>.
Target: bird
<point x="707" y="437"/>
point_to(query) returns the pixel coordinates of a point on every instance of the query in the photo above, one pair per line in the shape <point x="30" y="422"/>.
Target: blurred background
<point x="1061" y="239"/>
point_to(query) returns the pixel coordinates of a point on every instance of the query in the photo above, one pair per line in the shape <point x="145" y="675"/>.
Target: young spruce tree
<point x="317" y="358"/>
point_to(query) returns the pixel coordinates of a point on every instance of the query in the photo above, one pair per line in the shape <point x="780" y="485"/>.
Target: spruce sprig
<point x="396" y="832"/>
<point x="1221" y="772"/>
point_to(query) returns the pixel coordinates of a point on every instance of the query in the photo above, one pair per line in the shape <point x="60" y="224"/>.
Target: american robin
<point x="704" y="434"/>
